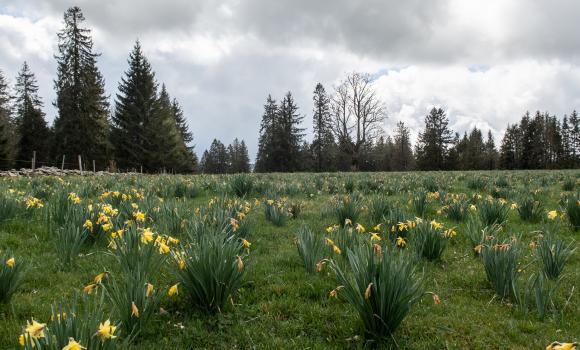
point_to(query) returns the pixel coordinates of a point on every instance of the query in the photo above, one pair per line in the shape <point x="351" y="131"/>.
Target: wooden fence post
<point x="80" y="165"/>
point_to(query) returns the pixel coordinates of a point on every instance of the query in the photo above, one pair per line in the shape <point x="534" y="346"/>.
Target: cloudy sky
<point x="486" y="62"/>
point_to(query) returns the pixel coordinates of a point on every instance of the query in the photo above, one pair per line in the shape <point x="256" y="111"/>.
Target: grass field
<point x="279" y="304"/>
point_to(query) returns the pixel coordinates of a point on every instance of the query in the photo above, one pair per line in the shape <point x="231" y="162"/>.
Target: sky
<point x="484" y="62"/>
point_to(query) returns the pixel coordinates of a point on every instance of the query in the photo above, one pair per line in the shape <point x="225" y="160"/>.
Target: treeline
<point x="220" y="159"/>
<point x="145" y="130"/>
<point x="348" y="137"/>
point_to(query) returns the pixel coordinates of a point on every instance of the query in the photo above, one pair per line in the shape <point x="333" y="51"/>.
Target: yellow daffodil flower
<point x="173" y="290"/>
<point x="106" y="330"/>
<point x="10" y="262"/>
<point x="73" y="345"/>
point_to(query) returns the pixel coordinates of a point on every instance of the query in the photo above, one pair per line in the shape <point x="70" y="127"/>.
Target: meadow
<point x="442" y="260"/>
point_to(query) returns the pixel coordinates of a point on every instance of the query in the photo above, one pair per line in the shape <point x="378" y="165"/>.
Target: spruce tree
<point x="491" y="155"/>
<point x="215" y="160"/>
<point x="165" y="149"/>
<point x="402" y="158"/>
<point x="574" y="121"/>
<point x="323" y="141"/>
<point x="135" y="106"/>
<point x="189" y="162"/>
<point x="433" y="143"/>
<point x="264" y="158"/>
<point x="32" y="129"/>
<point x="7" y="151"/>
<point x="508" y="158"/>
<point x="288" y="136"/>
<point x="239" y="161"/>
<point x="82" y="126"/>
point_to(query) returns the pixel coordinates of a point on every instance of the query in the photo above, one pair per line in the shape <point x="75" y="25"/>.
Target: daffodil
<point x="147" y="235"/>
<point x="139" y="216"/>
<point x="553" y="214"/>
<point x="88" y="225"/>
<point x="377" y="227"/>
<point x="360" y="228"/>
<point x="436" y="225"/>
<point x="35" y="329"/>
<point x="73" y="345"/>
<point x="99" y="278"/>
<point x="134" y="310"/>
<point x="106" y="330"/>
<point x="336" y="249"/>
<point x="347" y="222"/>
<point x="10" y="262"/>
<point x="88" y="289"/>
<point x="245" y="243"/>
<point x="375" y="237"/>
<point x="149" y="289"/>
<point x="240" y="264"/>
<point x="401" y="242"/>
<point x="173" y="290"/>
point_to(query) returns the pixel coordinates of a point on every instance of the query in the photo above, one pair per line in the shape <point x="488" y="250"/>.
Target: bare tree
<point x="358" y="114"/>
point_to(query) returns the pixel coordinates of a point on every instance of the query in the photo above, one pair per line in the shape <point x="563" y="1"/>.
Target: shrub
<point x="500" y="262"/>
<point x="11" y="274"/>
<point x="310" y="248"/>
<point x="530" y="209"/>
<point x="493" y="212"/>
<point x="382" y="287"/>
<point x="552" y="254"/>
<point x="241" y="185"/>
<point x="211" y="271"/>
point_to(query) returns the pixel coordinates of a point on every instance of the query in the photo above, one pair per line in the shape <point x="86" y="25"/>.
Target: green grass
<point x="280" y="305"/>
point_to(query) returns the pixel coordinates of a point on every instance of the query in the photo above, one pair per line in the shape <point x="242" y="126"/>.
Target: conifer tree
<point x="264" y="158"/>
<point x="288" y="136"/>
<point x="402" y="159"/>
<point x="323" y="141"/>
<point x="239" y="161"/>
<point x="491" y="155"/>
<point x="82" y="126"/>
<point x="6" y="126"/>
<point x="135" y="106"/>
<point x="433" y="143"/>
<point x="508" y="158"/>
<point x="32" y="129"/>
<point x="215" y="160"/>
<point x="165" y="149"/>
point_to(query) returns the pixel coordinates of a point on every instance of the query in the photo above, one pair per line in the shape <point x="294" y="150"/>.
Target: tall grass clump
<point x="346" y="209"/>
<point x="241" y="185"/>
<point x="276" y="212"/>
<point x="69" y="242"/>
<point x="381" y="286"/>
<point x="552" y="255"/>
<point x="311" y="248"/>
<point x="573" y="211"/>
<point x="500" y="262"/>
<point x="211" y="271"/>
<point x="11" y="275"/>
<point x="569" y="184"/>
<point x="82" y="322"/>
<point x="9" y="207"/>
<point x="420" y="204"/>
<point x="379" y="208"/>
<point x="477" y="233"/>
<point x="530" y="209"/>
<point x="476" y="183"/>
<point x="139" y="253"/>
<point x="493" y="212"/>
<point x="457" y="210"/>
<point x="429" y="239"/>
